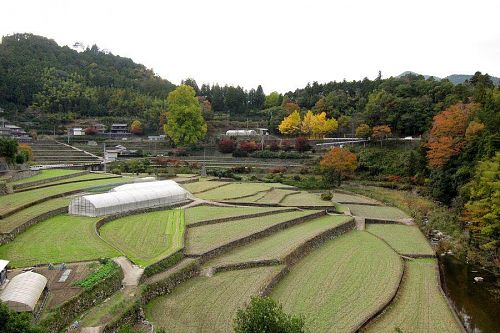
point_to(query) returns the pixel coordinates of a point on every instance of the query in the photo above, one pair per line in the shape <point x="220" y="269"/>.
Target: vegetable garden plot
<point x="205" y="238"/>
<point x="148" y="237"/>
<point x="377" y="212"/>
<point x="204" y="213"/>
<point x="419" y="305"/>
<point x="63" y="238"/>
<point x="280" y="244"/>
<point x="404" y="239"/>
<point x="341" y="283"/>
<point x="208" y="304"/>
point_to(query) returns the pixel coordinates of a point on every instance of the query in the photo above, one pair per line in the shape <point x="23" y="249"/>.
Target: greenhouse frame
<point x="129" y="199"/>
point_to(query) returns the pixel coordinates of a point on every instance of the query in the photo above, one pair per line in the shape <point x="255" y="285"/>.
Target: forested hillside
<point x="43" y="81"/>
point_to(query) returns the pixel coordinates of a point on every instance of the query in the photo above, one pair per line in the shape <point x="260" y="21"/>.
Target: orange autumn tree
<point x="447" y="135"/>
<point x="338" y="163"/>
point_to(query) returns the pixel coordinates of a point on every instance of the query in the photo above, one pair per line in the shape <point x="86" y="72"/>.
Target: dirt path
<point x="97" y="329"/>
<point x="132" y="273"/>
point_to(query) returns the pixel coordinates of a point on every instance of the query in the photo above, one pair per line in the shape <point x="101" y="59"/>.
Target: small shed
<point x="3" y="270"/>
<point x="23" y="291"/>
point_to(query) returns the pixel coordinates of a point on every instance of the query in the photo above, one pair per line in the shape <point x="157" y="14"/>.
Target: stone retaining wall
<point x="245" y="240"/>
<point x="245" y="265"/>
<point x="330" y="209"/>
<point x="6" y="237"/>
<point x="382" y="308"/>
<point x="239" y="217"/>
<point x="163" y="264"/>
<point x="17" y="187"/>
<point x="165" y="286"/>
<point x="266" y="291"/>
<point x="381" y="221"/>
<point x="318" y="240"/>
<point x="21" y="174"/>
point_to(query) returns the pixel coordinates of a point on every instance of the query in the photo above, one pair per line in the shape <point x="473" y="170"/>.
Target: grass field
<point x="82" y="178"/>
<point x="275" y="196"/>
<point x="45" y="174"/>
<point x="344" y="197"/>
<point x="404" y="239"/>
<point x="378" y="212"/>
<point x="10" y="202"/>
<point x="147" y="238"/>
<point x="204" y="238"/>
<point x="63" y="238"/>
<point x="419" y="306"/>
<point x="15" y="220"/>
<point x="203" y="185"/>
<point x="305" y="199"/>
<point x="234" y="190"/>
<point x="341" y="283"/>
<point x="203" y="213"/>
<point x="106" y="311"/>
<point x="280" y="244"/>
<point x="208" y="304"/>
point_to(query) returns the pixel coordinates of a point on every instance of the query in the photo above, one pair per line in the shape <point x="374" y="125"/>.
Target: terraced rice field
<point x="280" y="244"/>
<point x="305" y="199"/>
<point x="208" y="304"/>
<point x="378" y="212"/>
<point x="15" y="220"/>
<point x="147" y="238"/>
<point x="203" y="185"/>
<point x="344" y="197"/>
<point x="235" y="190"/>
<point x="419" y="306"/>
<point x="82" y="178"/>
<point x="275" y="196"/>
<point x="204" y="238"/>
<point x="203" y="213"/>
<point x="63" y="238"/>
<point x="404" y="239"/>
<point x="108" y="310"/>
<point x="45" y="174"/>
<point x="13" y="201"/>
<point x="342" y="283"/>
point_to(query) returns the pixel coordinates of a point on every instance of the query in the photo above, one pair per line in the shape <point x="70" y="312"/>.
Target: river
<point x="477" y="307"/>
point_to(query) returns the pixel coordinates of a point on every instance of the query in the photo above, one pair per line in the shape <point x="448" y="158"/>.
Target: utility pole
<point x="104" y="154"/>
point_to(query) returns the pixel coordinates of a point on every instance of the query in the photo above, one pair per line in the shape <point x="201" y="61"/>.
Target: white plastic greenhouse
<point x="134" y="197"/>
<point x="23" y="291"/>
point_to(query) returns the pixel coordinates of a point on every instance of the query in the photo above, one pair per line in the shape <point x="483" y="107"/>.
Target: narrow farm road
<point x="131" y="273"/>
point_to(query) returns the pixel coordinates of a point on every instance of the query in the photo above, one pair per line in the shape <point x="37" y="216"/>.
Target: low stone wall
<point x="418" y="256"/>
<point x="316" y="241"/>
<point x="266" y="291"/>
<point x="330" y="209"/>
<point x="130" y="316"/>
<point x="5" y="188"/>
<point x="21" y="174"/>
<point x="163" y="264"/>
<point x="240" y="217"/>
<point x="11" y="235"/>
<point x="60" y="317"/>
<point x="245" y="240"/>
<point x="245" y="265"/>
<point x="381" y="221"/>
<point x="17" y="187"/>
<point x="361" y="327"/>
<point x="168" y="284"/>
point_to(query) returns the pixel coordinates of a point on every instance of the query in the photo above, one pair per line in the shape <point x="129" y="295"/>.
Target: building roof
<point x="23" y="291"/>
<point x="3" y="264"/>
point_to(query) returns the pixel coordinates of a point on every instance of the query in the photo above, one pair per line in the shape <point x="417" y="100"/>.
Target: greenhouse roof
<point x="23" y="291"/>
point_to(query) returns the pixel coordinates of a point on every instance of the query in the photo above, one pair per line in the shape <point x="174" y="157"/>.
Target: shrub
<point x="248" y="146"/>
<point x="104" y="271"/>
<point x="227" y="145"/>
<point x="273" y="146"/>
<point x="302" y="144"/>
<point x="263" y="314"/>
<point x="20" y="158"/>
<point x="241" y="169"/>
<point x="327" y="196"/>
<point x="90" y="131"/>
<point x="240" y="153"/>
<point x="26" y="151"/>
<point x="285" y="145"/>
<point x="180" y="152"/>
<point x="264" y="154"/>
<point x="280" y="169"/>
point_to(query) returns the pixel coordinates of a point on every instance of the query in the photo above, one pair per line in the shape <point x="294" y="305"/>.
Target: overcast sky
<point x="279" y="44"/>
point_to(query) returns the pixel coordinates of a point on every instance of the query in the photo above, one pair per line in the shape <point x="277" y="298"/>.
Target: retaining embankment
<point x="203" y="257"/>
<point x="17" y="187"/>
<point x="6" y="237"/>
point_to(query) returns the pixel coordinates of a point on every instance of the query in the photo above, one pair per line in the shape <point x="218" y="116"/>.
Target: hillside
<point x="453" y="78"/>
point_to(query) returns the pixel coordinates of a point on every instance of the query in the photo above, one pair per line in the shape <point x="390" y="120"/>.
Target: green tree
<point x="12" y="322"/>
<point x="363" y="131"/>
<point x="273" y="99"/>
<point x="8" y="148"/>
<point x="185" y="124"/>
<point x="264" y="315"/>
